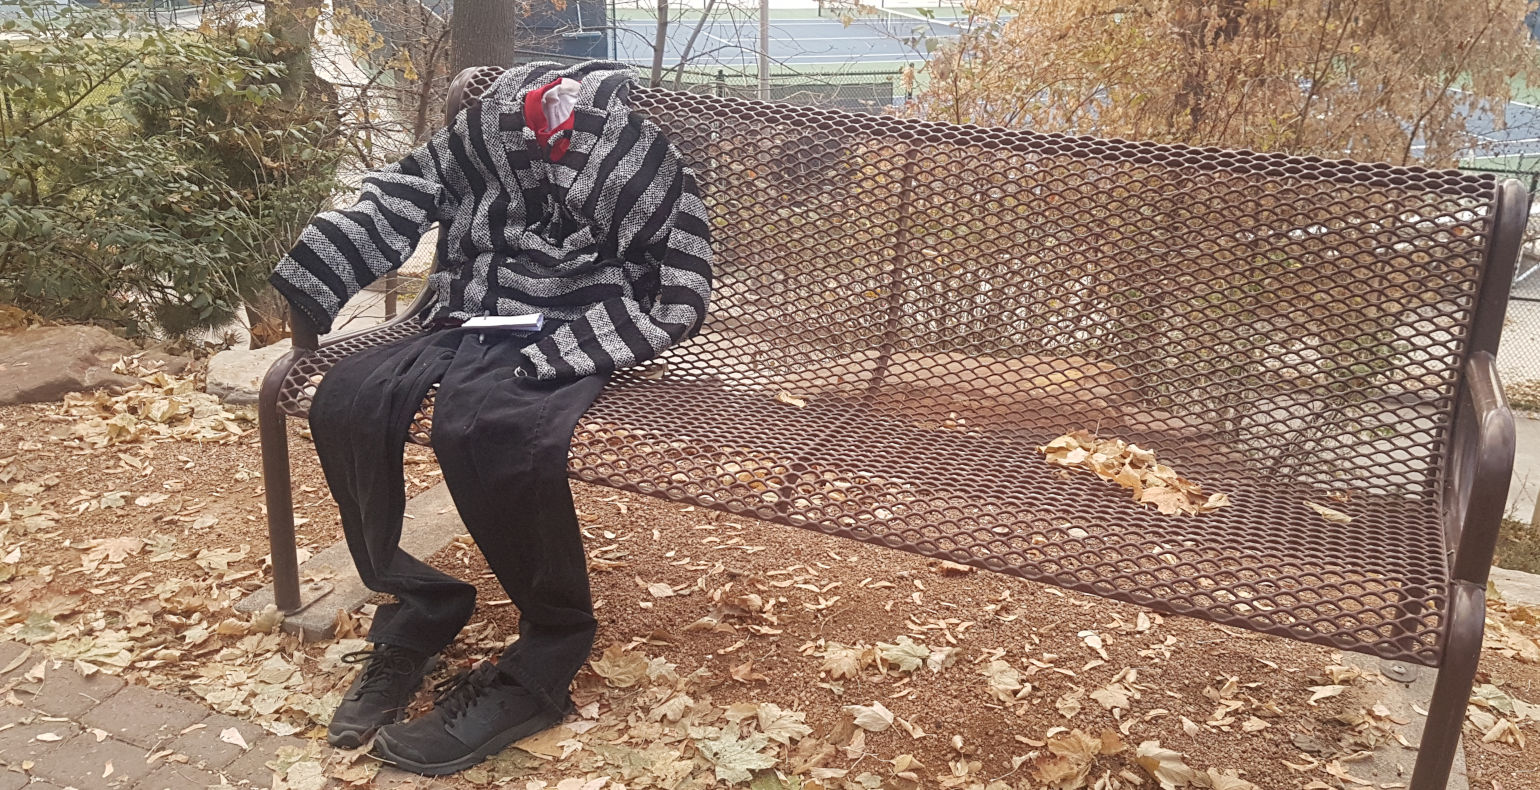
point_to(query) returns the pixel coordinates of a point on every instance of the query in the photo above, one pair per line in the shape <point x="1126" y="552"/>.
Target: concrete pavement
<point x="60" y="730"/>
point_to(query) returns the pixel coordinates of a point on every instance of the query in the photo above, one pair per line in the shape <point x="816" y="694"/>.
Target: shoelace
<point x="380" y="665"/>
<point x="455" y="695"/>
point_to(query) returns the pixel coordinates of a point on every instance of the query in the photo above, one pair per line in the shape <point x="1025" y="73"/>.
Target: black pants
<point x="502" y="438"/>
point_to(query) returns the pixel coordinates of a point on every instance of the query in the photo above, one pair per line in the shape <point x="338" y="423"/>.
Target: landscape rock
<point x="1517" y="586"/>
<point x="235" y="375"/>
<point x="43" y="363"/>
<point x="158" y="357"/>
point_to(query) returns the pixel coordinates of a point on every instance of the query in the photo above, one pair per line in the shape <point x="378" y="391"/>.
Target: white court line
<point x="849" y="38"/>
<point x="856" y="65"/>
<point x="1485" y="139"/>
<point x="737" y="44"/>
<point x="748" y="45"/>
<point x="919" y="17"/>
<point x="1509" y="142"/>
<point x="1475" y="159"/>
<point x="1519" y="103"/>
<point x="749" y="24"/>
<point x="859" y="64"/>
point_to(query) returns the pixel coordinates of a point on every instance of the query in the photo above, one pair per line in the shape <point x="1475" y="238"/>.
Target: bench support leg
<point x="1451" y="692"/>
<point x="279" y="487"/>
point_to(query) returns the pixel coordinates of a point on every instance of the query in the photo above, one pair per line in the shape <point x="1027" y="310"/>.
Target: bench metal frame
<point x="1478" y="461"/>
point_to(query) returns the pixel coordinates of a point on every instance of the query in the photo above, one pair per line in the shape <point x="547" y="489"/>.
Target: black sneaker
<point x="478" y="715"/>
<point x="379" y="695"/>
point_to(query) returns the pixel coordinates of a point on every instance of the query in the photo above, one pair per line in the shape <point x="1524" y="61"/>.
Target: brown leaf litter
<point x="1135" y="469"/>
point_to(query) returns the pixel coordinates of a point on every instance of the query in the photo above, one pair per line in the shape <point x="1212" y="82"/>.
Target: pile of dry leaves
<point x="164" y="407"/>
<point x="1135" y="469"/>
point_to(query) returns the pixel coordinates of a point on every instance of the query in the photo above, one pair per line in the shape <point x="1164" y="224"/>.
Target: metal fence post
<point x="764" y="50"/>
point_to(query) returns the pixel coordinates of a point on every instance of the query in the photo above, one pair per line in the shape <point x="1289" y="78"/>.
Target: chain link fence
<point x="1518" y="354"/>
<point x="1518" y="357"/>
<point x="869" y="91"/>
<point x="856" y="91"/>
<point x="145" y="13"/>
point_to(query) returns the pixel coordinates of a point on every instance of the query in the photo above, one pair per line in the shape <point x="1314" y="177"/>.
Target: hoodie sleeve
<point x="342" y="251"/>
<point x="671" y="239"/>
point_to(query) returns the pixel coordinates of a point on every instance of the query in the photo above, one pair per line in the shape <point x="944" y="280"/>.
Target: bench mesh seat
<point x="904" y="311"/>
<point x="1267" y="562"/>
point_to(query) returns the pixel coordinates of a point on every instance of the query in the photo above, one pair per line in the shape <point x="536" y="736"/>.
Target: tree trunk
<point x="481" y="33"/>
<point x="302" y="94"/>
<point x="267" y="313"/>
<point x="658" y="42"/>
<point x="292" y="24"/>
<point x="429" y="112"/>
<point x="684" y="56"/>
<point x="1200" y="27"/>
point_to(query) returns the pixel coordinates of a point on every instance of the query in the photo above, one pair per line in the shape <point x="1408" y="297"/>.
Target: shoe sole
<point x="353" y="739"/>
<point x="350" y="739"/>
<point x="498" y="743"/>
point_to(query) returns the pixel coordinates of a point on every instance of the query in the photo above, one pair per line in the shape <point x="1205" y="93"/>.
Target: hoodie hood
<point x="605" y="84"/>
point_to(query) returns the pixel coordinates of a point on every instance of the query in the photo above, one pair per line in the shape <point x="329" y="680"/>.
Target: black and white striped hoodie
<point x="610" y="244"/>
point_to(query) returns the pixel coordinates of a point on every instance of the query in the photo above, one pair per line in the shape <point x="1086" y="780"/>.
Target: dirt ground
<point x="731" y="652"/>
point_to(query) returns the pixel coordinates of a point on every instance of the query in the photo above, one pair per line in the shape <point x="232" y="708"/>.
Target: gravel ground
<point x="776" y="603"/>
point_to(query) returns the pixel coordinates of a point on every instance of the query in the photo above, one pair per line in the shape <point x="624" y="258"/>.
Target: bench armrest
<point x="305" y="335"/>
<point x="1481" y="465"/>
<point x="307" y="339"/>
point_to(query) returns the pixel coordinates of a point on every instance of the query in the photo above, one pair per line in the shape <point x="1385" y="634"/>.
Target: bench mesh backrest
<point x="1255" y="316"/>
<point x="947" y="298"/>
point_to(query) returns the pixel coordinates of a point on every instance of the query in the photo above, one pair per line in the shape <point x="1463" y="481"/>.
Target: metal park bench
<point x="906" y="310"/>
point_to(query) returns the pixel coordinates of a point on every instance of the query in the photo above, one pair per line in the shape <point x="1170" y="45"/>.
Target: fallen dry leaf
<point x="1334" y="516"/>
<point x="843" y="661"/>
<point x="1112" y="697"/>
<point x="790" y="400"/>
<point x="233" y="737"/>
<point x="1254" y="724"/>
<point x="782" y="726"/>
<point x="112" y="550"/>
<point x="905" y="653"/>
<point x="873" y="718"/>
<point x="1165" y="765"/>
<point x="1227" y="781"/>
<point x="1069" y="703"/>
<point x="620" y="668"/>
<point x="744" y="673"/>
<point x="1068" y="761"/>
<point x="1318" y="693"/>
<point x="949" y="568"/>
<point x="1505" y="731"/>
<point x="735" y="759"/>
<point x="1005" y="683"/>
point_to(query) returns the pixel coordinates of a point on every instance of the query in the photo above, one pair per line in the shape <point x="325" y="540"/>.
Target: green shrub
<point x="149" y="178"/>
